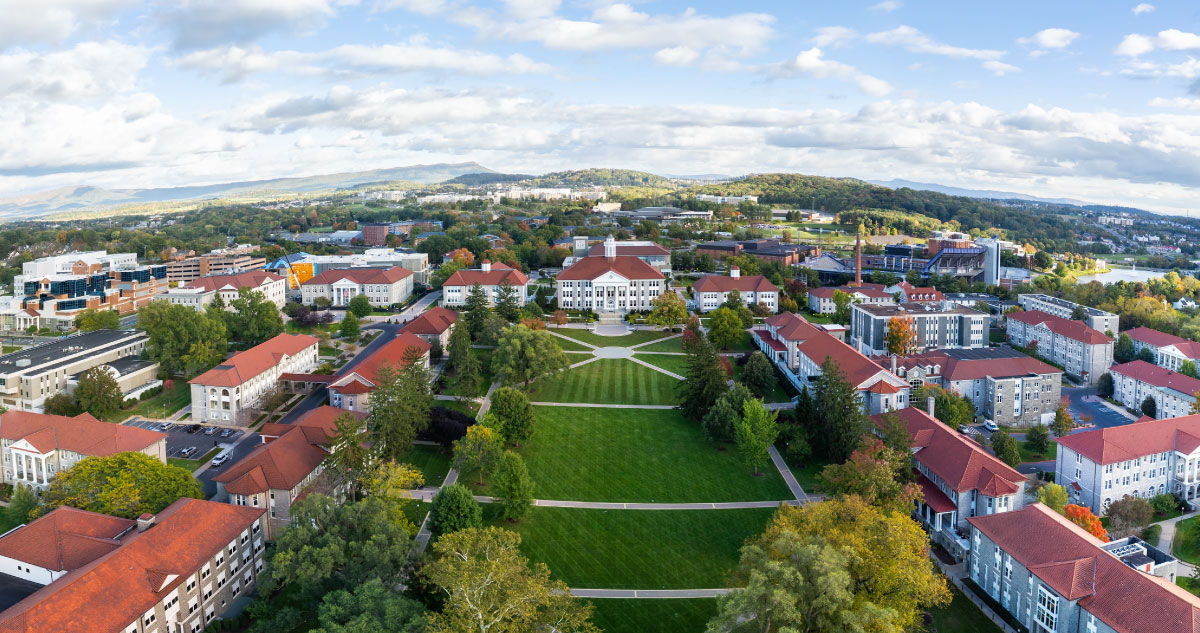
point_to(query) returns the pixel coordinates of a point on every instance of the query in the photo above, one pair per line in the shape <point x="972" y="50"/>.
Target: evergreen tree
<point x="514" y="414"/>
<point x="475" y="310"/>
<point x="400" y="404"/>
<point x="514" y="488"/>
<point x="349" y="458"/>
<point x="838" y="416"/>
<point x="1123" y="350"/>
<point x="463" y="364"/>
<point x="507" y="304"/>
<point x="349" y="328"/>
<point x="1005" y="448"/>
<point x="720" y="423"/>
<point x="705" y="381"/>
<point x="758" y="375"/>
<point x="1146" y="355"/>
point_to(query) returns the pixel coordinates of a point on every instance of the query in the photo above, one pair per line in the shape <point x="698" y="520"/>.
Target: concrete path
<point x="649" y="593"/>
<point x="655" y="368"/>
<point x="487" y="400"/>
<point x="584" y="362"/>
<point x="573" y="340"/>
<point x="603" y="406"/>
<point x="788" y="477"/>
<point x="1166" y="541"/>
<point x="427" y="494"/>
<point x="658" y="340"/>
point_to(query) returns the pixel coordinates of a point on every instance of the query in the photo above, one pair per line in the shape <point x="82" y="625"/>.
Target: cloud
<point x="206" y="23"/>
<point x="1049" y="39"/>
<point x="915" y="41"/>
<point x="1000" y="69"/>
<point x="677" y="56"/>
<point x="51" y="22"/>
<point x="87" y="70"/>
<point x="1183" y="103"/>
<point x="887" y="6"/>
<point x="1143" y="7"/>
<point x="833" y="36"/>
<point x="1135" y="44"/>
<point x="812" y="63"/>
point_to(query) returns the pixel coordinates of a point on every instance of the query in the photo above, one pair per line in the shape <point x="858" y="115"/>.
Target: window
<point x="1047" y="608"/>
<point x="148" y="619"/>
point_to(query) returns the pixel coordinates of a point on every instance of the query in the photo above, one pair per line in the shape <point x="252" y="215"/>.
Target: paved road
<point x="178" y="437"/>
<point x="128" y="321"/>
<point x="320" y="395"/>
<point x="238" y="451"/>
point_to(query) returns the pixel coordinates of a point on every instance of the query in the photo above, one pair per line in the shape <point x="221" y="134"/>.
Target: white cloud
<point x="813" y="64"/>
<point x="1143" y="7"/>
<point x="87" y="70"/>
<point x="677" y="56"/>
<point x="833" y="36"/>
<point x="1176" y="40"/>
<point x="915" y="41"/>
<point x="887" y="6"/>
<point x="1177" y="102"/>
<point x="26" y="23"/>
<point x="530" y="9"/>
<point x="1048" y="39"/>
<point x="1000" y="69"/>
<point x="206" y="23"/>
<point x="1136" y="44"/>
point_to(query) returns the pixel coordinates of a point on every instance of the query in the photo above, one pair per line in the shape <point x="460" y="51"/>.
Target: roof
<point x="361" y="275"/>
<point x="625" y="266"/>
<point x="1154" y="338"/>
<point x="249" y="279"/>
<point x="494" y="277"/>
<point x="792" y="327"/>
<point x="913" y="293"/>
<point x="1158" y="376"/>
<point x="718" y="283"/>
<point x="1144" y="437"/>
<point x="857" y="367"/>
<point x="82" y="434"/>
<point x="826" y="292"/>
<point x="632" y="250"/>
<point x="958" y="461"/>
<point x="243" y="366"/>
<point x="283" y="463"/>
<point x="392" y="354"/>
<point x="432" y="321"/>
<point x="1071" y="562"/>
<point x="933" y="496"/>
<point x="320" y="418"/>
<point x="64" y="539"/>
<point x="976" y="364"/>
<point x="1075" y="330"/>
<point x="120" y="586"/>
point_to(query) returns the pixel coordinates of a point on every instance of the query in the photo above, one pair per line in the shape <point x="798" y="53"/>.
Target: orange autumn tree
<point x="1084" y="518"/>
<point x="901" y="336"/>
<point x="462" y="257"/>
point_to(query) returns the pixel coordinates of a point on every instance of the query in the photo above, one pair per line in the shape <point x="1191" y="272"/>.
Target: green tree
<point x="454" y="509"/>
<point x="1105" y="387"/>
<point x="400" y="405"/>
<point x="894" y="433"/>
<point x="841" y="307"/>
<point x="475" y="310"/>
<point x="98" y="393"/>
<point x="349" y="328"/>
<point x="952" y="409"/>
<point x="720" y="423"/>
<point x="371" y="607"/>
<point x="875" y="473"/>
<point x="669" y="310"/>
<point x="755" y="433"/>
<point x="1005" y="448"/>
<point x="1079" y="314"/>
<point x="724" y="328"/>
<point x="514" y="488"/>
<point x="61" y="404"/>
<point x="524" y="355"/>
<point x="201" y="357"/>
<point x="1053" y="496"/>
<point x="1150" y="407"/>
<point x="1063" y="422"/>
<point x="462" y="363"/>
<point x="508" y="305"/>
<point x="443" y="273"/>
<point x="254" y="319"/>
<point x="124" y="485"/>
<point x="322" y="303"/>
<point x="1188" y="368"/>
<point x="514" y="414"/>
<point x="479" y="449"/>
<point x="349" y="458"/>
<point x="1123" y="350"/>
<point x="360" y="305"/>
<point x="489" y="586"/>
<point x="1037" y="439"/>
<point x="173" y="330"/>
<point x="92" y="319"/>
<point x="758" y="375"/>
<point x="839" y="422"/>
<point x="705" y="381"/>
<point x="1128" y="516"/>
<point x="23" y="504"/>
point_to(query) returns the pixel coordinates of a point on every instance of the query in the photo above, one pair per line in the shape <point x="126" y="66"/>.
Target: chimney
<point x="735" y="272"/>
<point x="858" y="260"/>
<point x="145" y="522"/>
<point x="893" y="363"/>
<point x="486" y="266"/>
<point x="610" y="247"/>
<point x="929" y="406"/>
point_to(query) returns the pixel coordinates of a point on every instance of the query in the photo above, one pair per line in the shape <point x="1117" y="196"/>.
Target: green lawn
<point x="1029" y="456"/>
<point x="8" y="349"/>
<point x="807" y="476"/>
<point x="192" y="464"/>
<point x="668" y="345"/>
<point x="159" y="406"/>
<point x="637" y="455"/>
<point x="469" y="407"/>
<point x="633" y="338"/>
<point x="415" y="512"/>
<point x="433" y="461"/>
<point x="637" y="549"/>
<point x="777" y="393"/>
<point x="817" y="318"/>
<point x="325" y="350"/>
<point x="1189" y="584"/>
<point x="688" y="615"/>
<point x="961" y="616"/>
<point x="1187" y="541"/>
<point x="743" y="344"/>
<point x="570" y="346"/>
<point x="607" y="381"/>
<point x="676" y="364"/>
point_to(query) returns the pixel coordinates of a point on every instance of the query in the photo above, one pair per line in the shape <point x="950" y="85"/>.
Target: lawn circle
<point x="613" y="352"/>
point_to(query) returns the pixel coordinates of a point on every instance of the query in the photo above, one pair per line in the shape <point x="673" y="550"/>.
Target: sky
<point x="1093" y="100"/>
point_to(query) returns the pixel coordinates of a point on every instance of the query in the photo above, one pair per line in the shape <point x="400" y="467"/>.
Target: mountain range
<point x="897" y="183"/>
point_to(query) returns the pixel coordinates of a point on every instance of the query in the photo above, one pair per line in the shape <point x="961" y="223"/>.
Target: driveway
<point x="320" y="395"/>
<point x="1102" y="416"/>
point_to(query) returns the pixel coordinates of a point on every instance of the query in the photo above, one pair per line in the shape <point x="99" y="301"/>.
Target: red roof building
<point x="711" y="291"/>
<point x="1084" y="351"/>
<point x="1173" y="393"/>
<point x="1167" y="350"/>
<point x="490" y="277"/>
<point x="913" y="294"/>
<point x="228" y="391"/>
<point x="435" y="324"/>
<point x="351" y="390"/>
<point x="383" y="287"/>
<point x="38" y="445"/>
<point x="200" y="292"/>
<point x="612" y="283"/>
<point x="820" y="300"/>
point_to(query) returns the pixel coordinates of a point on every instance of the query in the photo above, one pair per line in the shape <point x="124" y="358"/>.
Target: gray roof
<point x="47" y="353"/>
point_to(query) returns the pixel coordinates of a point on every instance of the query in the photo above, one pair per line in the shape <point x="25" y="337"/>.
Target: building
<point x="1067" y="580"/>
<point x="352" y="390"/>
<point x="73" y="263"/>
<point x="342" y="238"/>
<point x="664" y="215"/>
<point x="959" y="479"/>
<point x="376" y="234"/>
<point x="175" y="571"/>
<point x="652" y="253"/>
<point x="1118" y="221"/>
<point x="941" y="326"/>
<point x="1185" y="303"/>
<point x="820" y="300"/>
<point x="383" y="287"/>
<point x="281" y="468"/>
<point x="799" y="348"/>
<point x="711" y="291"/>
<point x="913" y="294"/>
<point x="490" y="277"/>
<point x="201" y="291"/>
<point x="300" y="267"/>
<point x="1085" y="352"/>
<point x="434" y="324"/>
<point x="766" y="249"/>
<point x="1173" y="393"/>
<point x="38" y="446"/>
<point x="1169" y="351"/>
<point x="941" y="240"/>
<point x="734" y="200"/>
<point x="610" y="283"/>
<point x="52" y="300"/>
<point x="1006" y="386"/>
<point x="1094" y="318"/>
<point x="30" y="376"/>
<point x="185" y="270"/>
<point x="229" y="392"/>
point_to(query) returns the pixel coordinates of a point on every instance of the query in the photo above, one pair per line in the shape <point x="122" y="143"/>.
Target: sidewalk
<point x="1166" y="542"/>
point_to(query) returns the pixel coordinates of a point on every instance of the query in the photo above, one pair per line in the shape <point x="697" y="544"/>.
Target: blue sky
<point x="1091" y="100"/>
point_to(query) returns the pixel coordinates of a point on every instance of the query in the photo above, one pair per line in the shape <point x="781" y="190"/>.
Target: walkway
<point x="956" y="573"/>
<point x="788" y="477"/>
<point x="649" y="593"/>
<point x="1168" y="536"/>
<point x="603" y="406"/>
<point x="427" y="494"/>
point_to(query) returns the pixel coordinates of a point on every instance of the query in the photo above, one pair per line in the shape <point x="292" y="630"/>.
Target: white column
<point x="45" y="474"/>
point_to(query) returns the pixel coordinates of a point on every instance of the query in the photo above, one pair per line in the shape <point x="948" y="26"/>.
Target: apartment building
<point x="611" y="283"/>
<point x="201" y="291"/>
<point x="1169" y="351"/>
<point x="183" y="271"/>
<point x="941" y="326"/>
<point x="1084" y="351"/>
<point x="74" y="263"/>
<point x="490" y="277"/>
<point x="173" y="572"/>
<point x="30" y="376"/>
<point x="282" y="467"/>
<point x="383" y="287"/>
<point x="959" y="479"/>
<point x="820" y="300"/>
<point x="765" y="249"/>
<point x="352" y="390"/>
<point x="1051" y="575"/>
<point x="53" y="299"/>
<point x="228" y="392"/>
<point x="1173" y="393"/>
<point x="711" y="291"/>
<point x="377" y="234"/>
<point x="435" y="324"/>
<point x="36" y="446"/>
<point x="1095" y="318"/>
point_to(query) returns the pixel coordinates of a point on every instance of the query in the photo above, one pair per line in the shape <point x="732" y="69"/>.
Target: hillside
<point x="602" y="178"/>
<point x="476" y="179"/>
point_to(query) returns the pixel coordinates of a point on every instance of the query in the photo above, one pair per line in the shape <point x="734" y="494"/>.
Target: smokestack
<point x="893" y="363"/>
<point x="858" y="260"/>
<point x="929" y="406"/>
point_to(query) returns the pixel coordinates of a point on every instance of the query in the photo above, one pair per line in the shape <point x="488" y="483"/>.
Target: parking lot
<point x="180" y="438"/>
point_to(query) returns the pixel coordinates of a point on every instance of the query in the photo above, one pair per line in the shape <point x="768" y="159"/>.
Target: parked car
<point x="164" y="426"/>
<point x="193" y="428"/>
<point x="220" y="459"/>
<point x="226" y="432"/>
<point x="188" y="452"/>
<point x="210" y="430"/>
<point x="991" y="426"/>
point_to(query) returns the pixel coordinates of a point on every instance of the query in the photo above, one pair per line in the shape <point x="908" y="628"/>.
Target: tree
<point x="1149" y="407"/>
<point x="492" y="329"/>
<point x="124" y="484"/>
<point x="1123" y="349"/>
<point x="952" y="409"/>
<point x="98" y="393"/>
<point x="462" y="362"/>
<point x="894" y="433"/>
<point x="1128" y="516"/>
<point x="174" y="329"/>
<point x="490" y="587"/>
<point x="524" y="355"/>
<point x="1063" y="422"/>
<point x="92" y="319"/>
<point x="349" y="328"/>
<point x="839" y="422"/>
<point x="841" y="307"/>
<point x="1084" y="518"/>
<point x="1079" y="314"/>
<point x="559" y="317"/>
<point x="514" y="414"/>
<point x="360" y="305"/>
<point x="22" y="505"/>
<point x="1005" y="448"/>
<point x="254" y="319"/>
<point x="508" y="305"/>
<point x="755" y="433"/>
<point x="475" y="310"/>
<point x="1188" y="368"/>
<point x="1164" y="503"/>
<point x="705" y="382"/>
<point x="669" y="310"/>
<point x="393" y="484"/>
<point x="724" y="328"/>
<point x="1146" y="355"/>
<point x="371" y="607"/>
<point x="1105" y="387"/>
<point x="349" y="458"/>
<point x="400" y="405"/>
<point x="61" y="404"/>
<point x="479" y="450"/>
<point x="443" y="272"/>
<point x="514" y="488"/>
<point x="877" y="474"/>
<point x="901" y="336"/>
<point x="322" y="303"/>
<point x="1037" y="439"/>
<point x="454" y="509"/>
<point x="721" y="421"/>
<point x="758" y="375"/>
<point x="1054" y="497"/>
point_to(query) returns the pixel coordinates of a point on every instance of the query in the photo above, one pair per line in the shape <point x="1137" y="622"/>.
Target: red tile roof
<point x="774" y="344"/>
<point x="284" y="462"/>
<point x="625" y="266"/>
<point x="65" y="539"/>
<point x="719" y="283"/>
<point x="1157" y="376"/>
<point x="432" y="322"/>
<point x="1075" y="330"/>
<point x="1120" y="443"/>
<point x="361" y="275"/>
<point x="249" y="279"/>
<point x="916" y="294"/>
<point x="934" y="497"/>
<point x="1070" y="560"/>
<point x="792" y="327"/>
<point x="320" y="418"/>
<point x="494" y="277"/>
<point x="1190" y="349"/>
<point x="865" y="290"/>
<point x="960" y="462"/>
<point x="82" y="434"/>
<point x="243" y="366"/>
<point x="649" y="250"/>
<point x="857" y="367"/>
<point x="392" y="354"/>
<point x="119" y="587"/>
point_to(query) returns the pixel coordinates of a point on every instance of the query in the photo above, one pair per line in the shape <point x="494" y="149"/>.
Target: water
<point x="1123" y="274"/>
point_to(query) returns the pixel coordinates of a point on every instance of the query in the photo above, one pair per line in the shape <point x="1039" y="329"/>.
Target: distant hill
<point x="897" y="183"/>
<point x="602" y="178"/>
<point x="81" y="197"/>
<point x="486" y="178"/>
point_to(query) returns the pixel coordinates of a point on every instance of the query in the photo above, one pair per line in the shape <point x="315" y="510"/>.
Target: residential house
<point x="711" y="291"/>
<point x="38" y="446"/>
<point x="1083" y="351"/>
<point x="435" y="324"/>
<point x="352" y="390"/>
<point x="229" y="392"/>
<point x="490" y="277"/>
<point x="383" y="287"/>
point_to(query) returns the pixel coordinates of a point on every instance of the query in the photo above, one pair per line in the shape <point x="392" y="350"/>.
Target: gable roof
<point x="1075" y="330"/>
<point x="956" y="365"/>
<point x="866" y="290"/>
<point x="277" y="465"/>
<point x="915" y="294"/>
<point x="1144" y="437"/>
<point x="857" y="367"/>
<point x="368" y="368"/>
<point x="319" y="419"/>
<point x="432" y="322"/>
<point x="64" y="539"/>
<point x="1154" y="338"/>
<point x="361" y="275"/>
<point x="82" y="434"/>
<point x="494" y="277"/>
<point x="958" y="461"/>
<point x="792" y="327"/>
<point x="243" y="366"/>
<point x="1072" y="563"/>
<point x="248" y="279"/>
<point x="626" y="266"/>
<point x="720" y="283"/>
<point x="1158" y="376"/>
